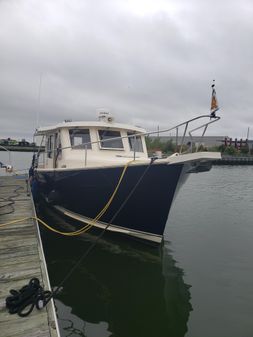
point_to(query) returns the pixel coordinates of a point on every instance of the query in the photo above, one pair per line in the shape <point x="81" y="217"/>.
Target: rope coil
<point x="30" y="295"/>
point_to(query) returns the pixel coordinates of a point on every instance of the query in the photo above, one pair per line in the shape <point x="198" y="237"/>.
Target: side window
<point x="135" y="142"/>
<point x="58" y="152"/>
<point x="50" y="146"/>
<point x="80" y="137"/>
<point x="115" y="141"/>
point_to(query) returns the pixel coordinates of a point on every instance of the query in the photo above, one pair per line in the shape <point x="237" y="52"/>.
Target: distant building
<point x="8" y="141"/>
<point x="207" y="141"/>
<point x="14" y="142"/>
<point x="23" y="142"/>
<point x="250" y="143"/>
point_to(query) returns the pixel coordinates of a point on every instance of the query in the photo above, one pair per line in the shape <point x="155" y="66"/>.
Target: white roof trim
<point x="43" y="130"/>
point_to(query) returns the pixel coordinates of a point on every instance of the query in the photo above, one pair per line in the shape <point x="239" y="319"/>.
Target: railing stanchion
<point x="85" y="160"/>
<point x="134" y="146"/>
<point x="182" y="142"/>
<point x="176" y="137"/>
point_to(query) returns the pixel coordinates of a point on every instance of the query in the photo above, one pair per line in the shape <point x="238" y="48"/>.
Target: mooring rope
<point x="38" y="297"/>
<point x="84" y="228"/>
<point x="92" y="246"/>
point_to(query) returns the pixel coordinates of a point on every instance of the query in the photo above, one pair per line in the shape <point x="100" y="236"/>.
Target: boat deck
<point x="22" y="258"/>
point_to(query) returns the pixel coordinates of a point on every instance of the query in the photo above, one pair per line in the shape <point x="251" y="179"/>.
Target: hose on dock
<point x="9" y="201"/>
<point x="84" y="228"/>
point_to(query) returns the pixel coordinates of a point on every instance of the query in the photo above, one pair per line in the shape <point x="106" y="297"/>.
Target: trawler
<point x="100" y="173"/>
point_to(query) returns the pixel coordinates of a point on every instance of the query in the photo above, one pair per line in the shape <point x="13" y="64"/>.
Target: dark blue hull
<point x="86" y="191"/>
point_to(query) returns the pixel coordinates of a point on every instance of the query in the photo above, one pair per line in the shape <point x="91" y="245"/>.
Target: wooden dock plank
<point x="21" y="258"/>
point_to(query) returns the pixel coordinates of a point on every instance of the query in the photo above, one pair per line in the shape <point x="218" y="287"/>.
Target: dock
<point x="22" y="258"/>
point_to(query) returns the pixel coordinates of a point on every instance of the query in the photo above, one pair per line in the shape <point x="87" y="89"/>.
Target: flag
<point x="214" y="102"/>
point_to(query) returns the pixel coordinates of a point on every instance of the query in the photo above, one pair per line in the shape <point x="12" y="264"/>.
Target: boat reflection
<point x="123" y="288"/>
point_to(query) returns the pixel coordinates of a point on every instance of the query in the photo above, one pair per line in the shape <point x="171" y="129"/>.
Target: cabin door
<point x="51" y="156"/>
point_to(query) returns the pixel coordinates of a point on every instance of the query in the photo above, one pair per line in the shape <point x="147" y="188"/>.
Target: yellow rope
<point x="84" y="228"/>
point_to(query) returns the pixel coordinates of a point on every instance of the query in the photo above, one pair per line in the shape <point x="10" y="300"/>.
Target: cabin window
<point x="50" y="144"/>
<point x="79" y="138"/>
<point x="58" y="146"/>
<point x="135" y="142"/>
<point x="115" y="141"/>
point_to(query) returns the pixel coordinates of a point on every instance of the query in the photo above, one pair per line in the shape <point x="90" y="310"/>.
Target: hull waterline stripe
<point x="113" y="228"/>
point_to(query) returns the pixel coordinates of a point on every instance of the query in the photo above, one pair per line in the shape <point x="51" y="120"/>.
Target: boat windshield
<point x="115" y="144"/>
<point x="79" y="137"/>
<point x="135" y="142"/>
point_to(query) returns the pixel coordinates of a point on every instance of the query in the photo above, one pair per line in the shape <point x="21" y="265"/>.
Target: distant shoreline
<point x="234" y="160"/>
<point x="225" y="159"/>
<point x="19" y="148"/>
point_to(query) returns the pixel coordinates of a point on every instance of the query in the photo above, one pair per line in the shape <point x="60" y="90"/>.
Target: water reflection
<point x="123" y="289"/>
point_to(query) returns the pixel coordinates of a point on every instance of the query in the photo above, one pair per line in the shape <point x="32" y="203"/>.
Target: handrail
<point x="212" y="119"/>
<point x="203" y="126"/>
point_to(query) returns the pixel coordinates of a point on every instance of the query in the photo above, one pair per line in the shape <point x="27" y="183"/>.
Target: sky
<point x="149" y="62"/>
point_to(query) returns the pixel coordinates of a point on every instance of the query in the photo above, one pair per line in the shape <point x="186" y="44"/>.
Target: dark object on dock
<point x="28" y="296"/>
<point x="234" y="160"/>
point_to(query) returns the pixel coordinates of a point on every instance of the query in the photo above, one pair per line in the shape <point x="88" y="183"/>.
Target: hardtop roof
<point x="88" y="124"/>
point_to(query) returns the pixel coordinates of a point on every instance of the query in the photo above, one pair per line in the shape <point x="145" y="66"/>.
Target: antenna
<point x="39" y="96"/>
<point x="248" y="133"/>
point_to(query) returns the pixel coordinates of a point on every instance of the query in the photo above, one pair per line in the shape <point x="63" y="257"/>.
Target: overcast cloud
<point x="150" y="62"/>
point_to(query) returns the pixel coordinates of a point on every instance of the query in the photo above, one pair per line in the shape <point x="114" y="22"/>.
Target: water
<point x="199" y="283"/>
<point x="211" y="231"/>
<point x="127" y="289"/>
<point x="21" y="161"/>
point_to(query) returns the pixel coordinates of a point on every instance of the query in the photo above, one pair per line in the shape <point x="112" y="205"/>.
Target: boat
<point x="100" y="173"/>
<point x="6" y="169"/>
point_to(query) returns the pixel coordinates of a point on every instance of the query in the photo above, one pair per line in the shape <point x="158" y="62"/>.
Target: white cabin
<point x="70" y="145"/>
